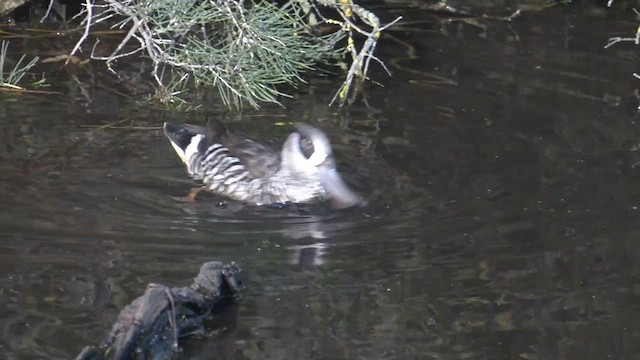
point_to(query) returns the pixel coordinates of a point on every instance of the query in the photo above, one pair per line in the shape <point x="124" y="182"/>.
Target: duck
<point x="241" y="168"/>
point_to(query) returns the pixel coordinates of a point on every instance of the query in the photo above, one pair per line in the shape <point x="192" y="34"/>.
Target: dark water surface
<point x="502" y="220"/>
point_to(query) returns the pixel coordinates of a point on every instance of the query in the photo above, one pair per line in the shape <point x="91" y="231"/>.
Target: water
<point x="502" y="220"/>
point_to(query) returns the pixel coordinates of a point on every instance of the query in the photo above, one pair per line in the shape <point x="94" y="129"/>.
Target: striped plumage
<point x="236" y="166"/>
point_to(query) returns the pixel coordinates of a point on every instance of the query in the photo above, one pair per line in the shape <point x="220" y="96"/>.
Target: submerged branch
<point x="151" y="326"/>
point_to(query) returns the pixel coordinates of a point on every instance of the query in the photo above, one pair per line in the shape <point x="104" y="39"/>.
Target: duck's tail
<point x="186" y="139"/>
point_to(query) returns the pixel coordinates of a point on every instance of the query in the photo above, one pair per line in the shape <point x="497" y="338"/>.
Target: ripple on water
<point x="501" y="220"/>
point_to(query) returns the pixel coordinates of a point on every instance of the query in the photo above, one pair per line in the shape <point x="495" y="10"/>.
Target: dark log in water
<point x="149" y="328"/>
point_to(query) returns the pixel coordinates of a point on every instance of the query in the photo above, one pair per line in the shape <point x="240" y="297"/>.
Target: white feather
<point x="217" y="150"/>
<point x="192" y="148"/>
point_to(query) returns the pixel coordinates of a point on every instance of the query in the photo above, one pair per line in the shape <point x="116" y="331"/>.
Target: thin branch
<point x="134" y="28"/>
<point x="48" y="11"/>
<point x="84" y="36"/>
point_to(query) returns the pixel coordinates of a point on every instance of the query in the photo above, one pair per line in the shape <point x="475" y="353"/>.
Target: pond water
<point x="501" y="168"/>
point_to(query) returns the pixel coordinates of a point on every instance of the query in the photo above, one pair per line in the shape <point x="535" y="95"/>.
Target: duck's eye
<point x="306" y="143"/>
<point x="306" y="146"/>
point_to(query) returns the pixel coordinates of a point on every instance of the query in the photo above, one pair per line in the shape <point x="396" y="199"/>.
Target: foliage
<point x="247" y="51"/>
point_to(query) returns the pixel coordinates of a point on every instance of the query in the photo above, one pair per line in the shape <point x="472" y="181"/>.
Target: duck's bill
<point x="341" y="195"/>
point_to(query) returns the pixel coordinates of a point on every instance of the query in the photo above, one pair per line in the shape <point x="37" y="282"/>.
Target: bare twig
<point x="48" y="11"/>
<point x="360" y="59"/>
<point x="88" y="7"/>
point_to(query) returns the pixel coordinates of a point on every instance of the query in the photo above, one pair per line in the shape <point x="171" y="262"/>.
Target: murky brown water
<point x="502" y="221"/>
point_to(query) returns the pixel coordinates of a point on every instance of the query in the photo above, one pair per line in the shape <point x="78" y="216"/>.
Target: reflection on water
<point x="501" y="220"/>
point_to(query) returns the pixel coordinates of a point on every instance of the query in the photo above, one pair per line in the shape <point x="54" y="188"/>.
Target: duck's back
<point x="258" y="158"/>
<point x="228" y="163"/>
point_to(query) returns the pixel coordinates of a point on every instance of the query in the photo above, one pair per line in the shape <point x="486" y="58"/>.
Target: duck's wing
<point x="259" y="159"/>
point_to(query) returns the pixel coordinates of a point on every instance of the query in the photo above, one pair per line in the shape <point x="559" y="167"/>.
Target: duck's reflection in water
<point x="307" y="237"/>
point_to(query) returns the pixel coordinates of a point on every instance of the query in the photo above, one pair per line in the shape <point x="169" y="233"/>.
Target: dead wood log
<point x="151" y="326"/>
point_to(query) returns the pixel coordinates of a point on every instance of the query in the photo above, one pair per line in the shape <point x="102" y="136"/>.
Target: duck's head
<point x="307" y="154"/>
